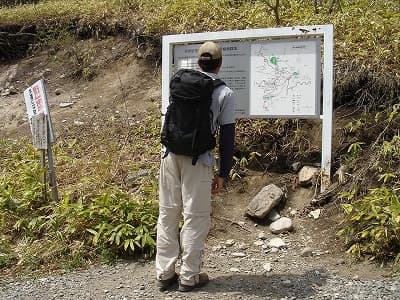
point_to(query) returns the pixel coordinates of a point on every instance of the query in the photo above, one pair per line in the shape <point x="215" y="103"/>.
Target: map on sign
<point x="284" y="78"/>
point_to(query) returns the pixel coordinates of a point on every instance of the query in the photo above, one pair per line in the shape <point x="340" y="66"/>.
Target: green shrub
<point x="98" y="216"/>
<point x="372" y="222"/>
<point x="372" y="225"/>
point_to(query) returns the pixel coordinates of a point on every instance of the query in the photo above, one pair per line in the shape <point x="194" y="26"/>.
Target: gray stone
<point x="267" y="267"/>
<point x="6" y="93"/>
<point x="13" y="90"/>
<point x="308" y="175"/>
<point x="265" y="201"/>
<point x="262" y="235"/>
<point x="276" y="243"/>
<point x="282" y="225"/>
<point x="66" y="104"/>
<point x="307" y="251"/>
<point x="238" y="254"/>
<point x="315" y="213"/>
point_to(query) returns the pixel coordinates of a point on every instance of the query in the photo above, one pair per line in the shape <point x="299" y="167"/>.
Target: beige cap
<point x="209" y="51"/>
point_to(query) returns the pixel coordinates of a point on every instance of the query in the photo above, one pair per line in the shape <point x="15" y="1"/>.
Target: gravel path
<point x="248" y="274"/>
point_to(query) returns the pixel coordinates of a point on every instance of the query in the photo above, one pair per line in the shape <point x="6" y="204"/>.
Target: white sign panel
<point x="279" y="78"/>
<point x="234" y="71"/>
<point x="36" y="103"/>
<point x="285" y="78"/>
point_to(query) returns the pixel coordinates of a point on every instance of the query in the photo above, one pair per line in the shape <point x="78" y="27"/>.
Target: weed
<point x="98" y="216"/>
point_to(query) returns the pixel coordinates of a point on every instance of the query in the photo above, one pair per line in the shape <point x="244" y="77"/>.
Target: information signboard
<point x="275" y="72"/>
<point x="36" y="103"/>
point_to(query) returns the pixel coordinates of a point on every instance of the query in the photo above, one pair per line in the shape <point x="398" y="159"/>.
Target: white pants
<point x="188" y="188"/>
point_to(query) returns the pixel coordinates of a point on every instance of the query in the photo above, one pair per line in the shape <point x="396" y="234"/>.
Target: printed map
<point x="284" y="77"/>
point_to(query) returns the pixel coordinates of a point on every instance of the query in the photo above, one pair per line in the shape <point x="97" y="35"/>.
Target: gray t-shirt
<point x="223" y="110"/>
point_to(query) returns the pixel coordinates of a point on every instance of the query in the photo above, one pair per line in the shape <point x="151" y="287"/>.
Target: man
<point x="188" y="186"/>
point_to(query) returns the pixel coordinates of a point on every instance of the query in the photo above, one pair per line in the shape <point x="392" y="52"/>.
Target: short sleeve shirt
<point x="223" y="111"/>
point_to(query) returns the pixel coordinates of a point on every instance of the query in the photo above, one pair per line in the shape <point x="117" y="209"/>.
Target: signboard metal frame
<point x="38" y="111"/>
<point x="323" y="31"/>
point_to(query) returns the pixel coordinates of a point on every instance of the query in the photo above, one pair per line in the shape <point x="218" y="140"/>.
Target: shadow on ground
<point x="270" y="285"/>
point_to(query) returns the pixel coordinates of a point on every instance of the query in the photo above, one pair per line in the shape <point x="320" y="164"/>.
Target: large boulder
<point x="265" y="201"/>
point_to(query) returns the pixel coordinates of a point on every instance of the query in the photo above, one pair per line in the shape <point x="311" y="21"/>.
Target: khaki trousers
<point x="187" y="188"/>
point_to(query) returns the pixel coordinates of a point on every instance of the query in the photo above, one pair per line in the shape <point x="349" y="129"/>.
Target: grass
<point x="366" y="32"/>
<point x="100" y="215"/>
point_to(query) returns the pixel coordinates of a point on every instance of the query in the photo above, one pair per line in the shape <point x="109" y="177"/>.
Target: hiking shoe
<point x="202" y="281"/>
<point x="167" y="283"/>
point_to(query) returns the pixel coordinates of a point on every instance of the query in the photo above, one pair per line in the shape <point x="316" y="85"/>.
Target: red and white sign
<point x="36" y="103"/>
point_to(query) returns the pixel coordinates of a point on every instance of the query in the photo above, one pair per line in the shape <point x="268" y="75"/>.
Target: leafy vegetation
<point x="371" y="226"/>
<point x="101" y="213"/>
<point x="361" y="27"/>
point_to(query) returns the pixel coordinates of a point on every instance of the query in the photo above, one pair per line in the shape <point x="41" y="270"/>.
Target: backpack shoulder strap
<point x="218" y="82"/>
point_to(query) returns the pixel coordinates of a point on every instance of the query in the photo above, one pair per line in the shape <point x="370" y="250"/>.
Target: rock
<point x="308" y="175"/>
<point x="79" y="123"/>
<point x="262" y="236"/>
<point x="315" y="213"/>
<point x="6" y="93"/>
<point x="66" y="104"/>
<point x="13" y="90"/>
<point x="229" y="243"/>
<point x="243" y="246"/>
<point x="265" y="201"/>
<point x="235" y="270"/>
<point x="58" y="91"/>
<point x="258" y="243"/>
<point x="274" y="250"/>
<point x="276" y="243"/>
<point x="282" y="225"/>
<point x="46" y="72"/>
<point x="217" y="248"/>
<point x="307" y="251"/>
<point x="267" y="267"/>
<point x="238" y="254"/>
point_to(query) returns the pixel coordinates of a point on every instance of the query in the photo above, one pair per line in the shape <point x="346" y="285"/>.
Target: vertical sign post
<point x="42" y="131"/>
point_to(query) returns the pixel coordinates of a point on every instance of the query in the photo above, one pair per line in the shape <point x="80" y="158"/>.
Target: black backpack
<point x="187" y="124"/>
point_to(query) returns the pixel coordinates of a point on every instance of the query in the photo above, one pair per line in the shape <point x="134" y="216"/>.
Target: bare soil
<point x="129" y="84"/>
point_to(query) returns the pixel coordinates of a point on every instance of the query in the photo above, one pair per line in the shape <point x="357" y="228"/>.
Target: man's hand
<point x="217" y="184"/>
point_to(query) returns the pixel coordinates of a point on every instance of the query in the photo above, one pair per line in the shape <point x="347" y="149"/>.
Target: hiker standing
<point x="200" y="104"/>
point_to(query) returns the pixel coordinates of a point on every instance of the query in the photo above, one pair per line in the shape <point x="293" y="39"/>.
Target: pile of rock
<point x="264" y="206"/>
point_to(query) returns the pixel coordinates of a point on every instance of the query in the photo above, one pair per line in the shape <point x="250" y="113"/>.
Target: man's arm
<point x="226" y="147"/>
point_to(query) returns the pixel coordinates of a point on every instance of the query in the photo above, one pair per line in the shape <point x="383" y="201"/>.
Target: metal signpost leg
<point x="52" y="173"/>
<point x="43" y="165"/>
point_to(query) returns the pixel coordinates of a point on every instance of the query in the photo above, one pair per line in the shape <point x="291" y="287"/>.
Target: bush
<point x="372" y="225"/>
<point x="372" y="222"/>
